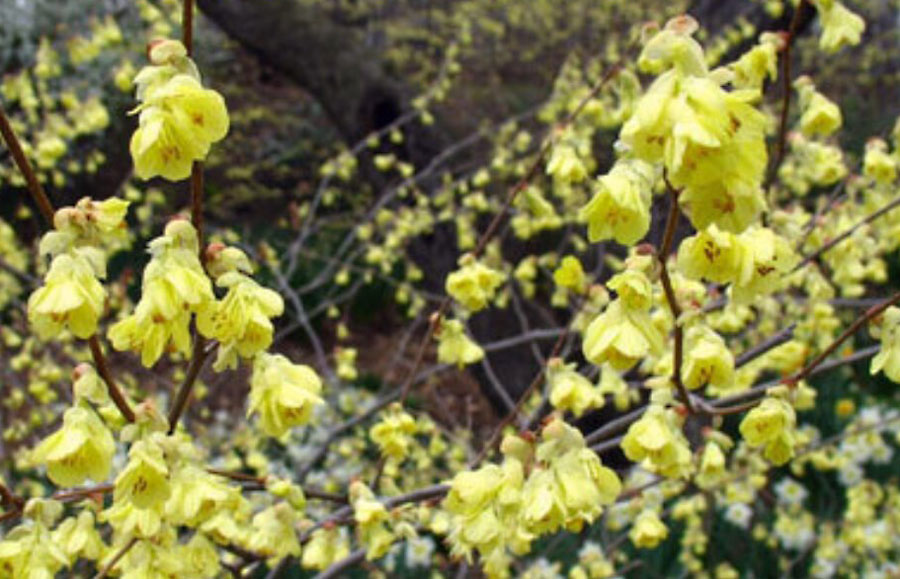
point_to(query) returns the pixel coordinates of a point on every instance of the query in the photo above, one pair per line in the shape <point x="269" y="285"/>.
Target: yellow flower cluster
<point x="474" y="284"/>
<point x="174" y="287"/>
<point x="179" y="119"/>
<point x="710" y="141"/>
<point x="559" y="483"/>
<point x="72" y="296"/>
<point x="624" y="333"/>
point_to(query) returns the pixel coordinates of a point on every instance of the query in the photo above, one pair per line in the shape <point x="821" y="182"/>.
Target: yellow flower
<point x="144" y="482"/>
<point x="325" y="547"/>
<point x="888" y="357"/>
<point x="569" y="390"/>
<point x="241" y="321"/>
<point x="371" y="519"/>
<point x="712" y="465"/>
<point x="708" y="361"/>
<point x="621" y="337"/>
<point x="773" y="258"/>
<point x="634" y="289"/>
<point x="878" y="164"/>
<point x="345" y="358"/>
<point x="570" y="274"/>
<point x="620" y="207"/>
<point x="78" y="537"/>
<point x="179" y="120"/>
<point x="840" y="26"/>
<point x="455" y="347"/>
<point x="820" y="115"/>
<point x="771" y="423"/>
<point x="565" y="164"/>
<point x="716" y="256"/>
<point x="657" y="442"/>
<point x="71" y="298"/>
<point x="196" y="496"/>
<point x="273" y="533"/>
<point x="761" y="61"/>
<point x="81" y="449"/>
<point x="174" y="285"/>
<point x="283" y="393"/>
<point x="393" y="433"/>
<point x="648" y="531"/>
<point x="474" y="284"/>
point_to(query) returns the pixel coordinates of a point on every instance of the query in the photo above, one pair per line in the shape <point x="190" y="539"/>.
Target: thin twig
<point x="34" y="185"/>
<point x="781" y="142"/>
<point x="856" y="325"/>
<point x="678" y="333"/>
<point x="198" y="359"/>
<point x="118" y="557"/>
<point x="115" y="393"/>
<point x="846" y="234"/>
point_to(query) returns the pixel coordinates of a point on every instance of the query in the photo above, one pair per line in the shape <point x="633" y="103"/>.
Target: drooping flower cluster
<point x="624" y="333"/>
<point x="710" y="141"/>
<point x="174" y="287"/>
<point x="179" y="119"/>
<point x="499" y="509"/>
<point x="72" y="297"/>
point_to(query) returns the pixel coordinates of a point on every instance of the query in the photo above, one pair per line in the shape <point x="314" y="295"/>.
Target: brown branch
<point x="856" y="325"/>
<point x="678" y="333"/>
<point x="103" y="370"/>
<point x="34" y="185"/>
<point x="781" y="142"/>
<point x="199" y="357"/>
<point x="845" y="234"/>
<point x="118" y="557"/>
<point x="187" y="26"/>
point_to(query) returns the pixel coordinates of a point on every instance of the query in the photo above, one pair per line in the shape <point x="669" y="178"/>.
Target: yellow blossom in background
<point x="474" y="284"/>
<point x="648" y="531"/>
<point x="282" y="393"/>
<point x="455" y="346"/>
<point x="888" y="357"/>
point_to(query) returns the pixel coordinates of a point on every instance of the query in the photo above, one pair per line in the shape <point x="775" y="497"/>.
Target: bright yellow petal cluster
<point x="620" y="207"/>
<point x="241" y="320"/>
<point x="474" y="284"/>
<point x="878" y="164"/>
<point x="498" y="510"/>
<point x="273" y="533"/>
<point x="624" y="333"/>
<point x="711" y="141"/>
<point x="174" y="286"/>
<point x="372" y="521"/>
<point x="888" y="357"/>
<point x="707" y="361"/>
<point x="840" y="26"/>
<point x="656" y="441"/>
<point x="81" y="449"/>
<point x="569" y="390"/>
<point x="179" y="119"/>
<point x="821" y="116"/>
<point x="71" y="298"/>
<point x="771" y="424"/>
<point x="282" y="393"/>
<point x="648" y="530"/>
<point x="394" y="433"/>
<point x="455" y="347"/>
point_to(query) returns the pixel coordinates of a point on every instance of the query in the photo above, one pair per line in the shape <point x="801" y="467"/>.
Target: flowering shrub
<point x="710" y="339"/>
